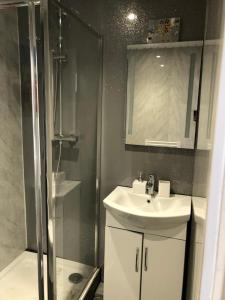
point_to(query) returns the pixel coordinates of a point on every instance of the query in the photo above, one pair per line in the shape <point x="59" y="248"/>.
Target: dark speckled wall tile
<point x="201" y="173"/>
<point x="175" y="165"/>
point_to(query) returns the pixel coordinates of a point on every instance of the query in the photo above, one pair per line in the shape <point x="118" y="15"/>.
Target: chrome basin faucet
<point x="150" y="185"/>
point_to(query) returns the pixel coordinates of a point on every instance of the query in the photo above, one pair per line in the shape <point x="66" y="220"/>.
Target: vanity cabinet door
<point x="163" y="264"/>
<point x="123" y="254"/>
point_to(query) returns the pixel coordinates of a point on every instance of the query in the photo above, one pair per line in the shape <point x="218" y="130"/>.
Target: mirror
<point x="162" y="94"/>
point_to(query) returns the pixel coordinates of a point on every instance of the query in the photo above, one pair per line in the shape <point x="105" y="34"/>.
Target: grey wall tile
<point x="12" y="205"/>
<point x="201" y="173"/>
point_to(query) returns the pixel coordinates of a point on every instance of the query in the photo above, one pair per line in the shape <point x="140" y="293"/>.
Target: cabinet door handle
<point x="146" y="259"/>
<point x="137" y="260"/>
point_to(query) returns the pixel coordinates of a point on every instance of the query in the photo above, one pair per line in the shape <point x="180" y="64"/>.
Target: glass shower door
<point x="21" y="262"/>
<point x="73" y="113"/>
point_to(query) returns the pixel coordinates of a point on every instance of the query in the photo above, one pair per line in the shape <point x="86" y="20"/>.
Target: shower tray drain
<point x="75" y="278"/>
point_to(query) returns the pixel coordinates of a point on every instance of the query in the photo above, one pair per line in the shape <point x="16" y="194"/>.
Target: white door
<point x="163" y="264"/>
<point x="123" y="251"/>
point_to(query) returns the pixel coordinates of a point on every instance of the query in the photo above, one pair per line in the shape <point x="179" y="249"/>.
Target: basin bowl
<point x="144" y="211"/>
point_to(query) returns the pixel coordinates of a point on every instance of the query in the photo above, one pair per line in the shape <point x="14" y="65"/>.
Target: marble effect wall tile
<point x="12" y="207"/>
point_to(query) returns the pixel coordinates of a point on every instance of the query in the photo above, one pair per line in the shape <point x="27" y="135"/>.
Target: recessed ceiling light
<point x="162" y="66"/>
<point x="131" y="17"/>
<point x="158" y="56"/>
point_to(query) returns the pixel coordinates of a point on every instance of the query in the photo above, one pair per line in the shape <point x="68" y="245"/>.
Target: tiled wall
<point x="12" y="206"/>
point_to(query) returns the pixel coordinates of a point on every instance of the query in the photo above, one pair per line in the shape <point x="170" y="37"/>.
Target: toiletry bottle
<point x="139" y="185"/>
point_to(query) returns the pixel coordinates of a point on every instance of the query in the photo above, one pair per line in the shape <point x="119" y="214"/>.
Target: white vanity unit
<point x="144" y="245"/>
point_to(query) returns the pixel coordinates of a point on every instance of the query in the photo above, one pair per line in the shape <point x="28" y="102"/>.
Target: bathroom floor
<point x="19" y="279"/>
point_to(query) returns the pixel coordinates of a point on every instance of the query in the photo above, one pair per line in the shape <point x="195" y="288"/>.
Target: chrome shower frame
<point x="30" y="4"/>
<point x="15" y="4"/>
<point x="60" y="45"/>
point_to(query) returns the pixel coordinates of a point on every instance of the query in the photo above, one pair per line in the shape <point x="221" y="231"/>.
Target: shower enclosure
<point x="74" y="68"/>
<point x="50" y="116"/>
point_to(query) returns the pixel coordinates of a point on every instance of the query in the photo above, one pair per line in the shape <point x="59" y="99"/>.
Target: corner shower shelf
<point x="66" y="187"/>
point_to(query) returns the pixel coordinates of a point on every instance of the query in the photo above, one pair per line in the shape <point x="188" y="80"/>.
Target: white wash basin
<point x="145" y="212"/>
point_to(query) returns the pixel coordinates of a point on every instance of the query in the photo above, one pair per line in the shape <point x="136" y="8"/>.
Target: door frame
<point x="49" y="135"/>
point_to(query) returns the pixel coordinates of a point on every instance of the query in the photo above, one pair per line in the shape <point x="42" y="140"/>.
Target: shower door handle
<point x="146" y="260"/>
<point x="137" y="260"/>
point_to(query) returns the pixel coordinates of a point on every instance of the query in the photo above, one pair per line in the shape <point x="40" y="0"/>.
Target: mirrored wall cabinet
<point x="211" y="52"/>
<point x="162" y="94"/>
